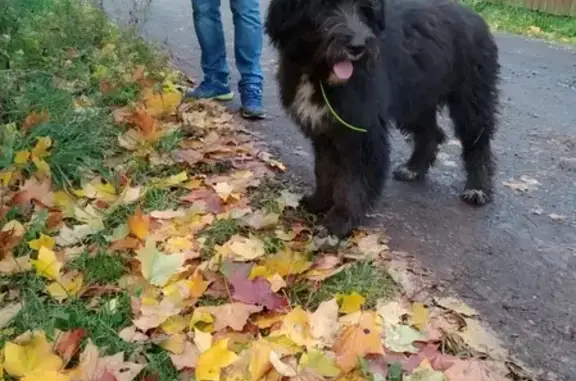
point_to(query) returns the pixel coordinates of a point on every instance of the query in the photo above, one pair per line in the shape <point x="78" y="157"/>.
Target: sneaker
<point x="251" y="98"/>
<point x="211" y="90"/>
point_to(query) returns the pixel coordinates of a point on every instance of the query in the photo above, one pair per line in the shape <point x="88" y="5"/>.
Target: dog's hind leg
<point x="474" y="122"/>
<point x="427" y="136"/>
<point x="325" y="169"/>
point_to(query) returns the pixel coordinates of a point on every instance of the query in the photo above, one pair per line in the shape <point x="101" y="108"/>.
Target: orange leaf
<point x="139" y="224"/>
<point x="68" y="343"/>
<point x="358" y="340"/>
<point x="105" y="87"/>
<point x="141" y="119"/>
<point x="33" y="119"/>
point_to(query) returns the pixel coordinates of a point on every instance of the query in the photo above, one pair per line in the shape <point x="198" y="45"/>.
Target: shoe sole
<point x="223" y="97"/>
<point x="253" y="116"/>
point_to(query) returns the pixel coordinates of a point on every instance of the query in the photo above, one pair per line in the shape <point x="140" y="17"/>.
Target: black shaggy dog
<point x="346" y="65"/>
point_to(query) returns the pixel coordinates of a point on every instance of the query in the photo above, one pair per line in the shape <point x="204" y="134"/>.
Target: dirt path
<point x="514" y="260"/>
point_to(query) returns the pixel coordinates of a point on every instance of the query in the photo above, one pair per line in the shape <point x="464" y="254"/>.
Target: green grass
<point x="365" y="278"/>
<point x="526" y="22"/>
<point x="52" y="53"/>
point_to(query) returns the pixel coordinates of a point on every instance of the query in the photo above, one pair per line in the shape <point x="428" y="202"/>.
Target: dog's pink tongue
<point x="343" y="69"/>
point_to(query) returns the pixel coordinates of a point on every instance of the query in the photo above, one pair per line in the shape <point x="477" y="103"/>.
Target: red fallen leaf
<point x="218" y="287"/>
<point x="153" y="377"/>
<point x="212" y="200"/>
<point x="68" y="343"/>
<point x="256" y="291"/>
<point x="107" y="376"/>
<point x="34" y="190"/>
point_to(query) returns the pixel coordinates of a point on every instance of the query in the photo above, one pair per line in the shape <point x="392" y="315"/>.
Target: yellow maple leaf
<point x="32" y="355"/>
<point x="40" y="150"/>
<point x="42" y="241"/>
<point x="320" y="363"/>
<point x="65" y="202"/>
<point x="47" y="264"/>
<point x="171" y="181"/>
<point x="211" y="362"/>
<point x="419" y="316"/>
<point x="201" y="319"/>
<point x="41" y="166"/>
<point x="96" y="189"/>
<point x="175" y="343"/>
<point x="296" y="326"/>
<point x="164" y="104"/>
<point x="284" y="263"/>
<point x="243" y="249"/>
<point x="68" y="285"/>
<point x="139" y="224"/>
<point x="157" y="268"/>
<point x="350" y="303"/>
<point x="174" y="324"/>
<point x="42" y="375"/>
<point x="259" y="359"/>
<point x="203" y="340"/>
<point x="178" y="244"/>
<point x="6" y="177"/>
<point x="21" y="157"/>
<point x="268" y="320"/>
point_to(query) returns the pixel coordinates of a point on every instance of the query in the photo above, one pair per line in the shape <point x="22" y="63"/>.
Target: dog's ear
<point x="280" y="20"/>
<point x="382" y="15"/>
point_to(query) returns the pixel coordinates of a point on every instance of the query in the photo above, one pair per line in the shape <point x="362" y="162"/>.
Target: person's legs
<point x="248" y="40"/>
<point x="208" y="26"/>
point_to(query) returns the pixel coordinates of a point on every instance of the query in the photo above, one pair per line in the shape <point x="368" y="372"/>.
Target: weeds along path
<point x="142" y="238"/>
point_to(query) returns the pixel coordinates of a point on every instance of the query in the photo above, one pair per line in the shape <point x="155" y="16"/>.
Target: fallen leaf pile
<point x="252" y="332"/>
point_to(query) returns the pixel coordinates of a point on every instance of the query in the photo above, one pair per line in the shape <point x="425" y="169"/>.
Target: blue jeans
<point x="248" y="37"/>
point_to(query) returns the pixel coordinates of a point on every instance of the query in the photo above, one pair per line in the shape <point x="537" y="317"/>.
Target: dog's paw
<point x="338" y="223"/>
<point x="313" y="204"/>
<point x="477" y="197"/>
<point x="403" y="173"/>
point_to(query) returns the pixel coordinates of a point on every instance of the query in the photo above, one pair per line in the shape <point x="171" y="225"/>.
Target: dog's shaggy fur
<point x="407" y="59"/>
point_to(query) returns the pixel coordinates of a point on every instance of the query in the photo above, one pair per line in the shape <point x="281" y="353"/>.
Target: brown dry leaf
<point x="10" y="236"/>
<point x="482" y="340"/>
<point x="188" y="358"/>
<point x="287" y="368"/>
<point x="358" y="340"/>
<point x="35" y="190"/>
<point x="8" y="312"/>
<point x="456" y="305"/>
<point x="131" y="335"/>
<point x="371" y="247"/>
<point x="93" y="367"/>
<point x="152" y="315"/>
<point x="324" y="324"/>
<point x="10" y="265"/>
<point x="33" y="119"/>
<point x="233" y="315"/>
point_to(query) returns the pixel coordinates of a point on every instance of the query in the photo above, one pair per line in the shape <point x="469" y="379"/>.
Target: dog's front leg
<point x="325" y="167"/>
<point x="363" y="164"/>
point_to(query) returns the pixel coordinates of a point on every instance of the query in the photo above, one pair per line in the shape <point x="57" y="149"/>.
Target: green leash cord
<point x="335" y="115"/>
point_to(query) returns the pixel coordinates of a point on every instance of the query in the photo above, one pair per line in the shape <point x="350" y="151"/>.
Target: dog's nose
<point x="356" y="47"/>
